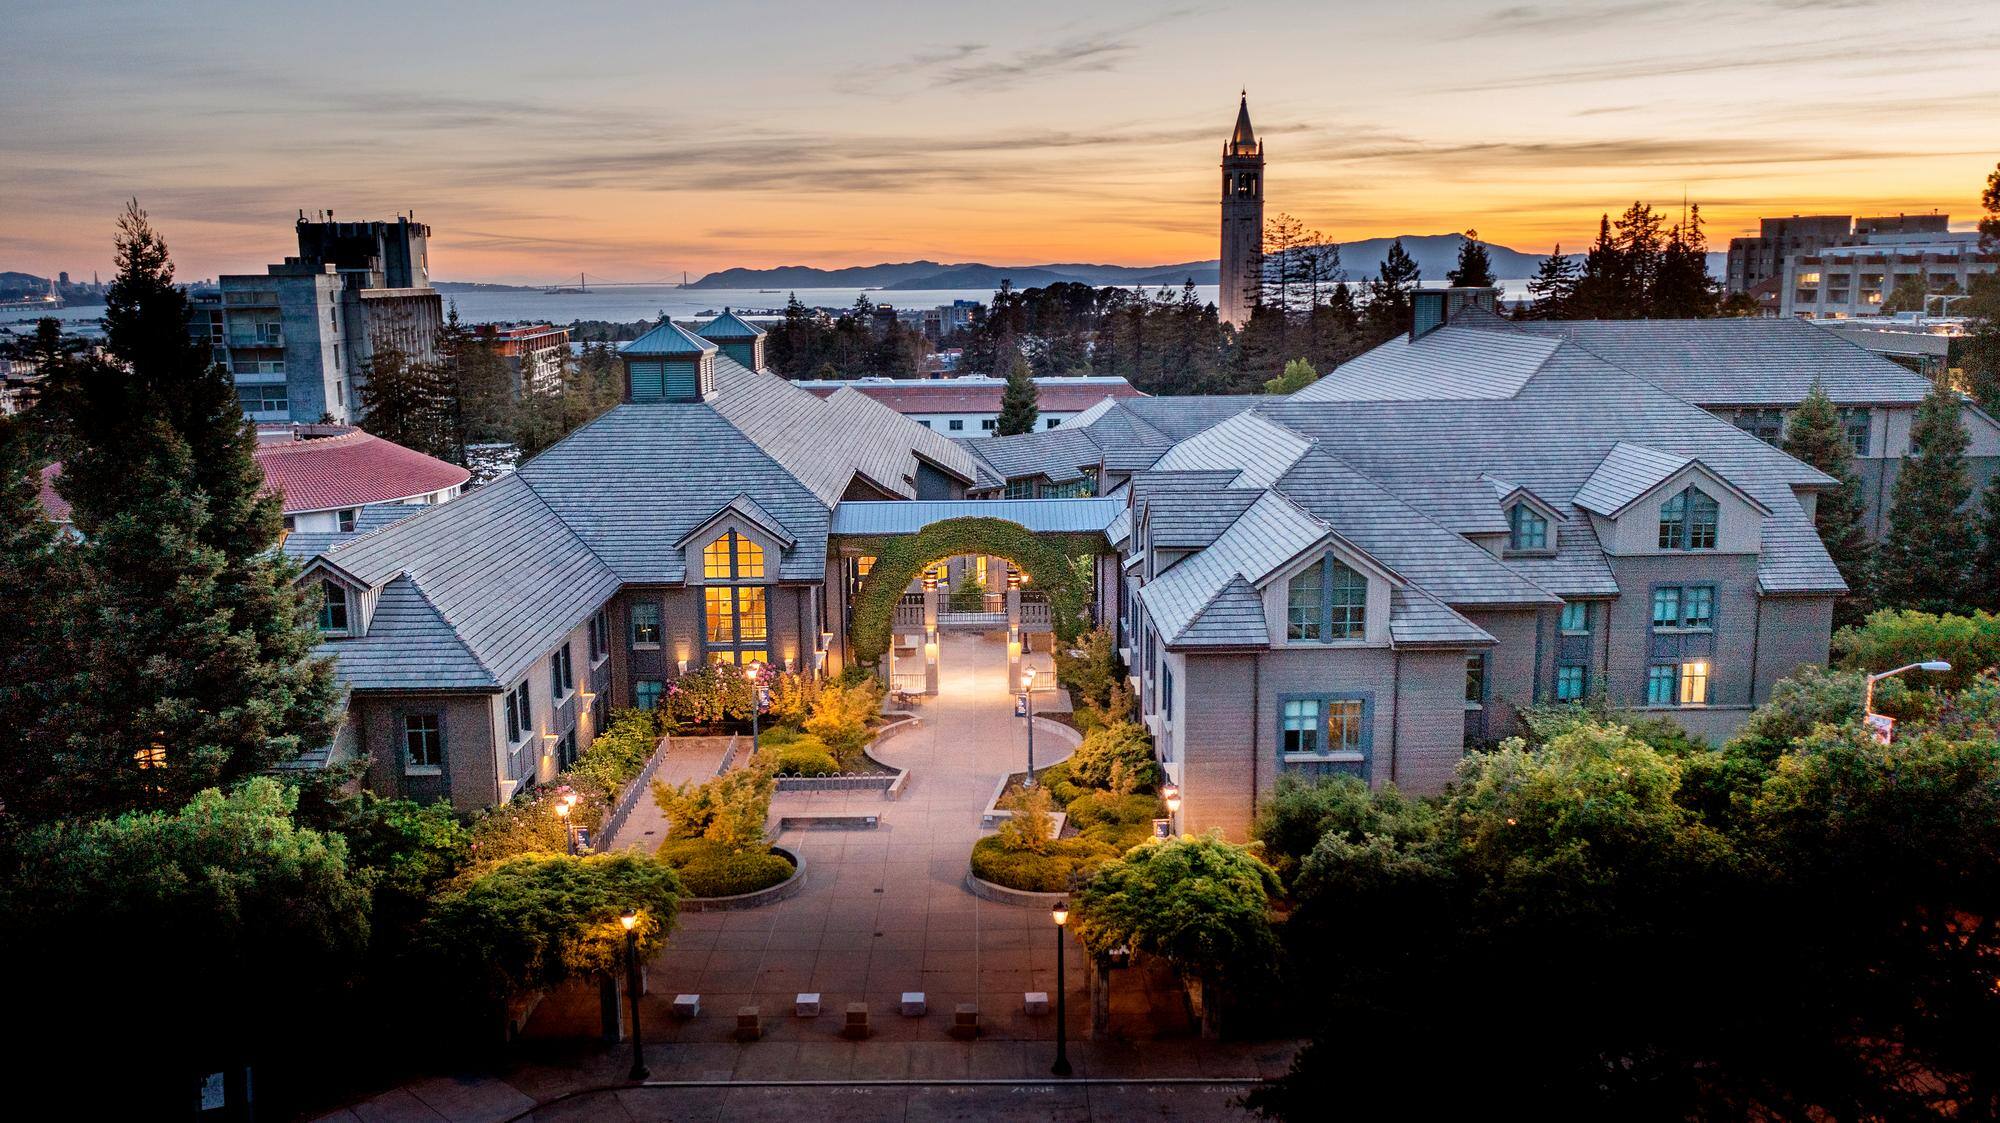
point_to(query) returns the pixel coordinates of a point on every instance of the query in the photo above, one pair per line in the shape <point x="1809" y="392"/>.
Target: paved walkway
<point x="689" y="760"/>
<point x="883" y="912"/>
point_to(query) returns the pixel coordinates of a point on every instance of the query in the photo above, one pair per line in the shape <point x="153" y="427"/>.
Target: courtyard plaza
<point x="883" y="912"/>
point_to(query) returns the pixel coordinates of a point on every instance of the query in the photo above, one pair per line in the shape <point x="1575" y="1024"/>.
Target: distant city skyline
<point x="638" y="141"/>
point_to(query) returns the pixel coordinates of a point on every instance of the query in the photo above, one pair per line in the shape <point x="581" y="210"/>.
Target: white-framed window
<point x="346" y="518"/>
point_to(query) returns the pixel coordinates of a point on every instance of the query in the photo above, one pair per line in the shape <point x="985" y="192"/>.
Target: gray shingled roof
<point x="303" y="546"/>
<point x="1554" y="434"/>
<point x="1246" y="442"/>
<point x="1459" y="366"/>
<point x="1234" y="617"/>
<point x="670" y="340"/>
<point x="1418" y="619"/>
<point x="488" y="581"/>
<point x="633" y="482"/>
<point x="746" y="508"/>
<point x="1059" y="454"/>
<point x="1626" y="472"/>
<point x="1270" y="533"/>
<point x="1179" y="520"/>
<point x="1748" y="362"/>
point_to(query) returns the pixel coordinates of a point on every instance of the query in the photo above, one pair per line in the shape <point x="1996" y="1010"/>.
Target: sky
<point x="634" y="141"/>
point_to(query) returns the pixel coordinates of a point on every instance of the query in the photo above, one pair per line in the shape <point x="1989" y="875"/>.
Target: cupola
<point x="739" y="339"/>
<point x="668" y="364"/>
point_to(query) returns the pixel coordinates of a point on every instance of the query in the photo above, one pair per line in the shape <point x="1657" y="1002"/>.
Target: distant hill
<point x="1435" y="254"/>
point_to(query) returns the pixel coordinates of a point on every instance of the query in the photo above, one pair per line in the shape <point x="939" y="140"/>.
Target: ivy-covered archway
<point x="1050" y="560"/>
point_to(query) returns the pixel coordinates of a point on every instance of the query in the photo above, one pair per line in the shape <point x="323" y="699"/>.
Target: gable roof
<point x="1259" y="450"/>
<point x="1630" y="470"/>
<point x="669" y="340"/>
<point x="745" y="508"/>
<point x="1270" y="533"/>
<point x="1758" y="361"/>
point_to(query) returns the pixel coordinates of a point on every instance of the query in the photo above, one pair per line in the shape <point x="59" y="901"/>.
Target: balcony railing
<point x="910" y="612"/>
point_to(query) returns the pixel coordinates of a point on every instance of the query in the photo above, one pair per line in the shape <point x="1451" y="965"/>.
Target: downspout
<point x="1756" y="635"/>
<point x="1256" y="721"/>
<point x="1395" y="708"/>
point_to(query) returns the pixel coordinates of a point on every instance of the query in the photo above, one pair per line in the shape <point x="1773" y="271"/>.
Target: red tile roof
<point x="350" y="469"/>
<point x="946" y="395"/>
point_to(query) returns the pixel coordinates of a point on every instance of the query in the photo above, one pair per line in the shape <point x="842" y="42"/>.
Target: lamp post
<point x="753" y="672"/>
<point x="631" y="922"/>
<point x="1060" y="914"/>
<point x="1028" y="708"/>
<point x="562" y="812"/>
<point x="1171" y="794"/>
<point x="1868" y="714"/>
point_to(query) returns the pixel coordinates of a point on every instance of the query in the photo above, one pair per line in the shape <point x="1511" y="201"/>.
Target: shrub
<point x="709" y="695"/>
<point x="536" y="919"/>
<point x="730" y="809"/>
<point x="710" y="869"/>
<point x="1056" y="778"/>
<point x="1029" y="828"/>
<point x="1094" y="671"/>
<point x="618" y="754"/>
<point x="840" y="717"/>
<point x="792" y="696"/>
<point x="1054" y="870"/>
<point x="1115" y="757"/>
<point x="527" y="824"/>
<point x="804" y="756"/>
<point x="1302" y="812"/>
<point x="1100" y="808"/>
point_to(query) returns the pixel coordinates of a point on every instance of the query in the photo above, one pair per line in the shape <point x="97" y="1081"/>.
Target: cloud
<point x="1854" y="49"/>
<point x="976" y="66"/>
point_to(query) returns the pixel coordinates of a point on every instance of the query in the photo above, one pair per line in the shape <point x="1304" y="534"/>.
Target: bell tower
<point x="1242" y="217"/>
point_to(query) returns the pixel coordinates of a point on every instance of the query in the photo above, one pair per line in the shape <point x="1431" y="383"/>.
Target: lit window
<point x="423" y="742"/>
<point x="732" y="557"/>
<point x="750" y="616"/>
<point x="1569" y="682"/>
<point x="332" y="608"/>
<point x="1526" y="529"/>
<point x="1576" y="617"/>
<point x="1343" y="725"/>
<point x="1694" y="683"/>
<point x="721" y="626"/>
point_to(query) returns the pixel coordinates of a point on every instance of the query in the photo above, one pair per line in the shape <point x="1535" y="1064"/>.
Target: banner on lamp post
<point x="1882" y="727"/>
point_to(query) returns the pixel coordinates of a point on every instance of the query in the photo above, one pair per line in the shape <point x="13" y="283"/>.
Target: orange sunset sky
<point x="635" y="141"/>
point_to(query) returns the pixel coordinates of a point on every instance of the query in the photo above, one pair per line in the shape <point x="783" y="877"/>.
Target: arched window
<point x="1526" y="528"/>
<point x="1690" y="520"/>
<point x="1325" y="602"/>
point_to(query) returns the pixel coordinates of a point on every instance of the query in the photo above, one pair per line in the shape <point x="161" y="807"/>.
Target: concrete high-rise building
<point x="299" y="337"/>
<point x="1242" y="217"/>
<point x="1753" y="261"/>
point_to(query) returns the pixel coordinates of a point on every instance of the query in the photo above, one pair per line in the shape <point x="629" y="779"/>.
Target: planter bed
<point x="872" y="776"/>
<point x="1001" y="895"/>
<point x="756" y="898"/>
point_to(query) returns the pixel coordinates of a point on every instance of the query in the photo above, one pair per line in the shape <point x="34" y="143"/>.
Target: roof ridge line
<point x="457" y="637"/>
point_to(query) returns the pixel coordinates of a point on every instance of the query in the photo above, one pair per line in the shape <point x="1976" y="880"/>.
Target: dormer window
<point x="1526" y="528"/>
<point x="1326" y="602"/>
<point x="732" y="557"/>
<point x="333" y="615"/>
<point x="1690" y="521"/>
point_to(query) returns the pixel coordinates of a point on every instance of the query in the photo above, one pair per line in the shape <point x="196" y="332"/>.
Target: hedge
<point x="1051" y="871"/>
<point x="1047" y="558"/>
<point x="710" y="869"/>
<point x="805" y="756"/>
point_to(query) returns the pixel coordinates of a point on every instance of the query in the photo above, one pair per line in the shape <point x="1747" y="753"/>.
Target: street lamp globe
<point x="1060" y="913"/>
<point x="1935" y="665"/>
<point x="562" y="808"/>
<point x="630" y="919"/>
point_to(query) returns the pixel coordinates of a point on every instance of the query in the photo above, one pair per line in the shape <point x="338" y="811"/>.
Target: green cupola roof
<point x="669" y="340"/>
<point x="730" y="327"/>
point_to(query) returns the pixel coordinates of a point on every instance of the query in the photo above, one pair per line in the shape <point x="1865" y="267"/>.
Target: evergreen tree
<point x="1475" y="266"/>
<point x="1018" y="409"/>
<point x="1389" y="293"/>
<point x="1981" y="356"/>
<point x="1682" y="287"/>
<point x="1986" y="571"/>
<point x="1601" y="290"/>
<point x="197" y="643"/>
<point x="1816" y="435"/>
<point x="404" y="403"/>
<point x="1641" y="249"/>
<point x="1553" y="287"/>
<point x="38" y="584"/>
<point x="1927" y="558"/>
